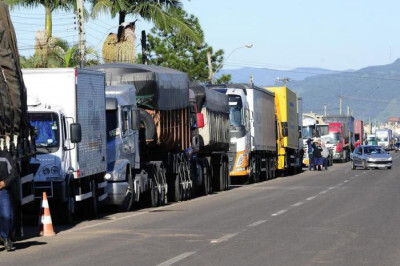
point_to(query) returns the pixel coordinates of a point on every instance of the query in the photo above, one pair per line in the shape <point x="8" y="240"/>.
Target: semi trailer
<point x="162" y="96"/>
<point x="210" y="139"/>
<point x="288" y="132"/>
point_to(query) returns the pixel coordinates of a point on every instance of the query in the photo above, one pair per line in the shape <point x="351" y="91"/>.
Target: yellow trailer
<point x="287" y="124"/>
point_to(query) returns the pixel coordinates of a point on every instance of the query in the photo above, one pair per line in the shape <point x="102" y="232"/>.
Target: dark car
<point x="370" y="156"/>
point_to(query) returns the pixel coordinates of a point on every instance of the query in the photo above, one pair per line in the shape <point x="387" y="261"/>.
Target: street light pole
<point x="249" y="45"/>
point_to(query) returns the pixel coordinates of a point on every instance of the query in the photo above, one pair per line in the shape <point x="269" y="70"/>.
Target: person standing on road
<point x="325" y="155"/>
<point x="7" y="178"/>
<point x="310" y="155"/>
<point x="317" y="149"/>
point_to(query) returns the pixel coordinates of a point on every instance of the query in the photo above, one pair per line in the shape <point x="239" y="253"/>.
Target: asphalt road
<point x="335" y="217"/>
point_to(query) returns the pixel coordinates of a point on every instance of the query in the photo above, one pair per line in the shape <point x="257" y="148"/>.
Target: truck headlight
<point x="46" y="171"/>
<point x="54" y="170"/>
<point x="240" y="160"/>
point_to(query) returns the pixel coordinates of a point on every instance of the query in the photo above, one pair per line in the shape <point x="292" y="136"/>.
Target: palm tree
<point x="49" y="6"/>
<point x="58" y="53"/>
<point x="163" y="13"/>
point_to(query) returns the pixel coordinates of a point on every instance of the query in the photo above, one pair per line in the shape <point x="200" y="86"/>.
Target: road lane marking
<point x="278" y="213"/>
<point x="224" y="238"/>
<point x="364" y="172"/>
<point x="323" y="192"/>
<point x="331" y="188"/>
<point x="346" y="181"/>
<point x="356" y="175"/>
<point x="297" y="204"/>
<point x="257" y="223"/>
<point x="311" y="198"/>
<point x="176" y="259"/>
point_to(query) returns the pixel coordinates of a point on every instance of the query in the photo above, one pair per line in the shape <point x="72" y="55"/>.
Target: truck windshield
<point x="47" y="130"/>
<point x="332" y="138"/>
<point x="307" y="132"/>
<point x="235" y="110"/>
<point x="382" y="138"/>
<point x="235" y="115"/>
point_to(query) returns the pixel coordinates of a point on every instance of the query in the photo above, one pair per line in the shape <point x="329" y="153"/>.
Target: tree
<point x="164" y="14"/>
<point x="169" y="50"/>
<point x="57" y="53"/>
<point x="49" y="6"/>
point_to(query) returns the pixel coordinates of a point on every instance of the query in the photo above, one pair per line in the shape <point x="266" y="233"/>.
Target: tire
<point x="353" y="167"/>
<point x="364" y="165"/>
<point x="206" y="180"/>
<point x="253" y="178"/>
<point x="147" y="120"/>
<point x="389" y="167"/>
<point x="129" y="196"/>
<point x="92" y="204"/>
<point x="226" y="174"/>
<point x="154" y="195"/>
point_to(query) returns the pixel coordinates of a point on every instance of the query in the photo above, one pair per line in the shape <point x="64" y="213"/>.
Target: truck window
<point x="112" y="124"/>
<point x="126" y="125"/>
<point x="47" y="130"/>
<point x="235" y="115"/>
<point x="236" y="110"/>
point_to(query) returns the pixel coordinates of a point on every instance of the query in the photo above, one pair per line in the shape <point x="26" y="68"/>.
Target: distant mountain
<point x="266" y="76"/>
<point x="371" y="93"/>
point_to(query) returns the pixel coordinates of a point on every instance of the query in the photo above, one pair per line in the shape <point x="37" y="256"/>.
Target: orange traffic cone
<point x="46" y="225"/>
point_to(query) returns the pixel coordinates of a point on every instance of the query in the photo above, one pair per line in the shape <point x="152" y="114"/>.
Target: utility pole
<point x="144" y="46"/>
<point x="81" y="29"/>
<point x="210" y="68"/>
<point x="324" y="109"/>
<point x="340" y="104"/>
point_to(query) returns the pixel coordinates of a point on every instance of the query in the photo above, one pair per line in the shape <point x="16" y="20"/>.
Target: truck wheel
<point x="129" y="196"/>
<point x="154" y="195"/>
<point x="226" y="174"/>
<point x="92" y="203"/>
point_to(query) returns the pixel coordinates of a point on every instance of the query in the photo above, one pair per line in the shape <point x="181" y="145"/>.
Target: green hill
<point x="372" y="92"/>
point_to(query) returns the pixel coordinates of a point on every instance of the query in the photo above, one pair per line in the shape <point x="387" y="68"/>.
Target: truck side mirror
<point x="285" y="129"/>
<point x="135" y="117"/>
<point x="76" y="132"/>
<point x="200" y="120"/>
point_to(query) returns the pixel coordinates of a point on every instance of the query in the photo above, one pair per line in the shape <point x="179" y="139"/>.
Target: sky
<point x="286" y="34"/>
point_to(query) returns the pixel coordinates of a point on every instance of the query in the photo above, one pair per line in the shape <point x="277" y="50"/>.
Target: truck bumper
<point x="116" y="192"/>
<point x="55" y="190"/>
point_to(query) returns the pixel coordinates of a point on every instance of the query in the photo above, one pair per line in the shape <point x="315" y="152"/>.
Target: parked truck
<point x="162" y="96"/>
<point x="252" y="153"/>
<point x="67" y="109"/>
<point x="210" y="139"/>
<point x="384" y="138"/>
<point x="288" y="131"/>
<point x="341" y="131"/>
<point x="130" y="180"/>
<point x="358" y="132"/>
<point x="17" y="144"/>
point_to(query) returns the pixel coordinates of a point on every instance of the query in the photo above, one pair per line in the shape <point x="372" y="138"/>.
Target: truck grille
<point x="41" y="187"/>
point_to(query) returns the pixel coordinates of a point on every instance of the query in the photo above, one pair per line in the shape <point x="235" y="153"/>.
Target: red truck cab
<point x="338" y="141"/>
